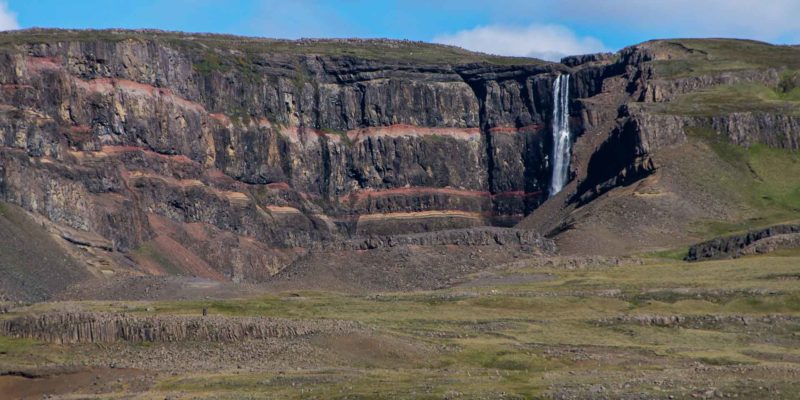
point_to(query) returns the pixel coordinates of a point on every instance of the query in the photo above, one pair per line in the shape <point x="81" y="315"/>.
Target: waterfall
<point x="561" y="135"/>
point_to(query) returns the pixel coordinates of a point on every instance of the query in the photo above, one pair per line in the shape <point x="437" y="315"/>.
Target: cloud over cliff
<point x="549" y="42"/>
<point x="8" y="19"/>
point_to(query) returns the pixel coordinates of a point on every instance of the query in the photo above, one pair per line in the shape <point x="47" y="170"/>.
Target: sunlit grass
<point x="519" y="339"/>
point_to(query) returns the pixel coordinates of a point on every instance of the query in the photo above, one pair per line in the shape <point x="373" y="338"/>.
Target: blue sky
<point x="539" y="28"/>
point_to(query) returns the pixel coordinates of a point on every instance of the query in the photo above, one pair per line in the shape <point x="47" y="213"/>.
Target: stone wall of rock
<point x="661" y="90"/>
<point x="770" y="129"/>
<point x="704" y="321"/>
<point x="121" y="134"/>
<point x="484" y="236"/>
<point x="287" y="148"/>
<point x="67" y="328"/>
<point x="737" y="245"/>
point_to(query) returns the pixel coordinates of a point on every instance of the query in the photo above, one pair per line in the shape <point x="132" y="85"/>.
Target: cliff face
<point x="131" y="136"/>
<point x="229" y="158"/>
<point x="648" y="169"/>
<point x="644" y="99"/>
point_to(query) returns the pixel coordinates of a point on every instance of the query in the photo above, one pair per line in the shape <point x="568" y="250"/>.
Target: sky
<point x="546" y="29"/>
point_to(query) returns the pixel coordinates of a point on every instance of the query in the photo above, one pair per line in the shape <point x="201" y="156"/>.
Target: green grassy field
<point x="559" y="336"/>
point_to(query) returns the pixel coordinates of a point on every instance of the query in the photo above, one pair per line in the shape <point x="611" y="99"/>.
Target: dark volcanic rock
<point x="328" y="127"/>
<point x="574" y="61"/>
<point x="462" y="237"/>
<point x="771" y="129"/>
<point x="121" y="134"/>
<point x="64" y="328"/>
<point x="737" y="245"/>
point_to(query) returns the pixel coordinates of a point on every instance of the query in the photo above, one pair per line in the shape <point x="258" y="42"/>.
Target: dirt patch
<point x="374" y="351"/>
<point x="34" y="266"/>
<point x="158" y="288"/>
<point x="38" y="384"/>
<point x="401" y="268"/>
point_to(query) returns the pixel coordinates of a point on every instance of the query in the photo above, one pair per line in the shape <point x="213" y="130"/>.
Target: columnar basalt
<point x="67" y="328"/>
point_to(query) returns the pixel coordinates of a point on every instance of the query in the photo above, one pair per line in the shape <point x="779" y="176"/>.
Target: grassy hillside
<point x="722" y="100"/>
<point x="688" y="57"/>
<point x="371" y="49"/>
<point x="766" y="181"/>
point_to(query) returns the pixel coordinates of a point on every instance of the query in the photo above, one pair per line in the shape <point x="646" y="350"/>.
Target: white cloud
<point x="8" y="19"/>
<point x="770" y="20"/>
<point x="549" y="42"/>
<point x="765" y="20"/>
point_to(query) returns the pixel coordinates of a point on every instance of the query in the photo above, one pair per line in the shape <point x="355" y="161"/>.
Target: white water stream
<point x="561" y="136"/>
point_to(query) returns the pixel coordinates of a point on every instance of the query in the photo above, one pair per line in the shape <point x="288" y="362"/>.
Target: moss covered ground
<point x="764" y="181"/>
<point x="568" y="335"/>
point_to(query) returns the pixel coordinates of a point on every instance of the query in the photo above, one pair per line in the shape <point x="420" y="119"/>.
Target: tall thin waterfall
<point x="561" y="135"/>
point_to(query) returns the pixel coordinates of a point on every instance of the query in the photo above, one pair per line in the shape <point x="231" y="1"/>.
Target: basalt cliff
<point x="228" y="158"/>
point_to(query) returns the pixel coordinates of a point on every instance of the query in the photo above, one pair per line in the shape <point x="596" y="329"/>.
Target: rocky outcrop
<point x="761" y="240"/>
<point x="642" y="128"/>
<point x="653" y="132"/>
<point x="770" y="129"/>
<point x="662" y="90"/>
<point x="68" y="328"/>
<point x="656" y="130"/>
<point x="486" y="236"/>
<point x="773" y="243"/>
<point x="624" y="157"/>
<point x="582" y="59"/>
<point x="704" y="321"/>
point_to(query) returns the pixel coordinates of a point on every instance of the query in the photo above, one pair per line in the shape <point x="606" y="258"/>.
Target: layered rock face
<point x="230" y="158"/>
<point x="643" y="118"/>
<point x="637" y="102"/>
<point x="239" y="156"/>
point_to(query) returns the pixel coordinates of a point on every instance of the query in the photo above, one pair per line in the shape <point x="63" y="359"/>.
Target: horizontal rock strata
<point x="232" y="158"/>
<point x="257" y="154"/>
<point x="485" y="236"/>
